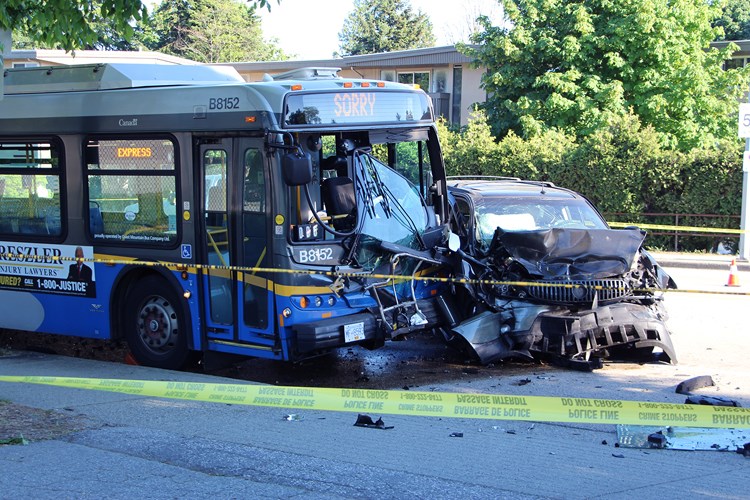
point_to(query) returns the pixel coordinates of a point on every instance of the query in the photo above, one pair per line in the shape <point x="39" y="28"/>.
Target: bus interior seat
<point x="339" y="199"/>
<point x="96" y="221"/>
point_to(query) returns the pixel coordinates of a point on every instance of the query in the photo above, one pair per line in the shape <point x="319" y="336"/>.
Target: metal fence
<point x="681" y="238"/>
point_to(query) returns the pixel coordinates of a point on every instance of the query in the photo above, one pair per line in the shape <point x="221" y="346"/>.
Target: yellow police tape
<point x="426" y="404"/>
<point x="692" y="229"/>
<point x="360" y="275"/>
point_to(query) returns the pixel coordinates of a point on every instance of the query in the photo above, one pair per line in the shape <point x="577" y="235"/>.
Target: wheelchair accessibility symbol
<point x="187" y="251"/>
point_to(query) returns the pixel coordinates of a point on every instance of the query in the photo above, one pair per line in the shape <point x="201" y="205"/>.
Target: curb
<point x="721" y="264"/>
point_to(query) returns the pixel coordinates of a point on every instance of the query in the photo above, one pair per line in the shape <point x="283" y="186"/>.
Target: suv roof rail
<point x="481" y="178"/>
<point x="499" y="178"/>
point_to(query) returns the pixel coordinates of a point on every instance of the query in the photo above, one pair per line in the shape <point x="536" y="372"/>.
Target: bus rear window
<point x="132" y="191"/>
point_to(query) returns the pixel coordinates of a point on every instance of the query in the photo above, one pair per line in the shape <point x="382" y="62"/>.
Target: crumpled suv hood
<point x="575" y="254"/>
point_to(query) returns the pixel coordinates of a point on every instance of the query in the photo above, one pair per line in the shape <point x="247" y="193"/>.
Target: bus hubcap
<point x="157" y="324"/>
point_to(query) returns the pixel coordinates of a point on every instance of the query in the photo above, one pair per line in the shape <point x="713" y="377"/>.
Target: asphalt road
<point x="153" y="448"/>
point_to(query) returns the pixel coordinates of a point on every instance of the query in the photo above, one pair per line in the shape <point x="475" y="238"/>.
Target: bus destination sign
<point x="356" y="107"/>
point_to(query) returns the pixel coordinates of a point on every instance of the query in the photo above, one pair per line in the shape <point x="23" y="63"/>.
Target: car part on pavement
<point x="691" y="384"/>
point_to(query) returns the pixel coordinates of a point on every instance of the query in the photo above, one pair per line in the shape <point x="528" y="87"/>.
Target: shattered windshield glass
<point x="393" y="209"/>
<point x="521" y="214"/>
<point x="391" y="206"/>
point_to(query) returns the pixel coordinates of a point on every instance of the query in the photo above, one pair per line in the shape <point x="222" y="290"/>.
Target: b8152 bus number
<point x="319" y="254"/>
<point x="224" y="103"/>
<point x="316" y="255"/>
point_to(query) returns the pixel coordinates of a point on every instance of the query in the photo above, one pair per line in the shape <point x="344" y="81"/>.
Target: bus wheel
<point x="156" y="327"/>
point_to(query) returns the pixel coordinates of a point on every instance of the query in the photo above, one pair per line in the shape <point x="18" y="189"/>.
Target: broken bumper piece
<point x="624" y="329"/>
<point x="620" y="329"/>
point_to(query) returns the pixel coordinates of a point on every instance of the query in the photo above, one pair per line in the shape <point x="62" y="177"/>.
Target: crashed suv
<point x="543" y="275"/>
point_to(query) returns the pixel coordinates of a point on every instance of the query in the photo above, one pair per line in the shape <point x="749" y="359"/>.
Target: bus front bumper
<point x="360" y="328"/>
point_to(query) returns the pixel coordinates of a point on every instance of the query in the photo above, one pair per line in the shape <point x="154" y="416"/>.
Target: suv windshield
<point x="525" y="214"/>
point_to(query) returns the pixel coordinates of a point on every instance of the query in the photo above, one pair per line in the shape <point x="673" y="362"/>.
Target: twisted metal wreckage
<point x="571" y="295"/>
<point x="550" y="280"/>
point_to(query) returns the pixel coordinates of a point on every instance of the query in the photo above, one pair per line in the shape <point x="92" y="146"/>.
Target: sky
<point x="308" y="29"/>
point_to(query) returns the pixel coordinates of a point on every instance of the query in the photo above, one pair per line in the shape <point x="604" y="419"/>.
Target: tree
<point x="81" y="24"/>
<point x="107" y="38"/>
<point x="209" y="31"/>
<point x="734" y="20"/>
<point x="577" y="65"/>
<point x="69" y="24"/>
<point x="384" y="26"/>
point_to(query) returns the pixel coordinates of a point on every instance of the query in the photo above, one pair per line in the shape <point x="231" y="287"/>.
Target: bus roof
<point x="114" y="76"/>
<point x="105" y="98"/>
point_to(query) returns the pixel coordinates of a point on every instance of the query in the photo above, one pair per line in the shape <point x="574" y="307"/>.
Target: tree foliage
<point x="107" y="37"/>
<point x="578" y="65"/>
<point x="734" y="20"/>
<point x="70" y="24"/>
<point x="208" y="31"/>
<point x="621" y="168"/>
<point x="384" y="26"/>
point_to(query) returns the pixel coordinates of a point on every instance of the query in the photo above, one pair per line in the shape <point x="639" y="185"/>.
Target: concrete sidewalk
<point x="699" y="261"/>
<point x="133" y="446"/>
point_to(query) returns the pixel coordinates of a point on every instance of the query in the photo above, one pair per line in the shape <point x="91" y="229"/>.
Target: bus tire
<point x="156" y="327"/>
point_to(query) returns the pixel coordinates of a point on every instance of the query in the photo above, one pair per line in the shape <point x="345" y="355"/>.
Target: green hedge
<point x="621" y="169"/>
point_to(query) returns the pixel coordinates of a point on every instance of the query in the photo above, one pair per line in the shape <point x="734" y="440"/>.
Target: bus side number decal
<point x="224" y="103"/>
<point x="315" y="255"/>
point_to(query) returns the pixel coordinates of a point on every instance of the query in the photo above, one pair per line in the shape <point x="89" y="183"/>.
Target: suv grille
<point x="577" y="292"/>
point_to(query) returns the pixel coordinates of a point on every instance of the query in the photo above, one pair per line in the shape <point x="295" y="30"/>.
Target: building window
<point x="735" y="62"/>
<point x="456" y="95"/>
<point x="422" y="79"/>
<point x="25" y="65"/>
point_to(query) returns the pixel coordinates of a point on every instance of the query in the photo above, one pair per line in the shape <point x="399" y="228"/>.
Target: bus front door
<point x="238" y="307"/>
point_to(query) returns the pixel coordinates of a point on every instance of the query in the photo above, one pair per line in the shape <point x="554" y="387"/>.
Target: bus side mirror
<point x="454" y="242"/>
<point x="296" y="168"/>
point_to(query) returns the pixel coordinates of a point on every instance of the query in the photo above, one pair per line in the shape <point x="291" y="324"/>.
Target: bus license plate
<point x="354" y="332"/>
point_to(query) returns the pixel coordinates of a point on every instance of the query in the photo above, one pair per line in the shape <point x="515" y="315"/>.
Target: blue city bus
<point x="190" y="212"/>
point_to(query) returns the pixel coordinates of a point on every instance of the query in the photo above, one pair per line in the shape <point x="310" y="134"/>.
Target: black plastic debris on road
<point x="711" y="401"/>
<point x="744" y="450"/>
<point x="366" y="421"/>
<point x="691" y="384"/>
<point x="657" y="440"/>
<point x="456" y="434"/>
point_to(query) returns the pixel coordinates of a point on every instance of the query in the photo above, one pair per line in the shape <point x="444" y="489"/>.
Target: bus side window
<point x="30" y="202"/>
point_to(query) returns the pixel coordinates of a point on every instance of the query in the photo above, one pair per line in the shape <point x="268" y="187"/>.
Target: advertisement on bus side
<point x="38" y="267"/>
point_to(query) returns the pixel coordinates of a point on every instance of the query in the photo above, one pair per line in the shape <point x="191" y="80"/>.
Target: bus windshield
<point x="392" y="207"/>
